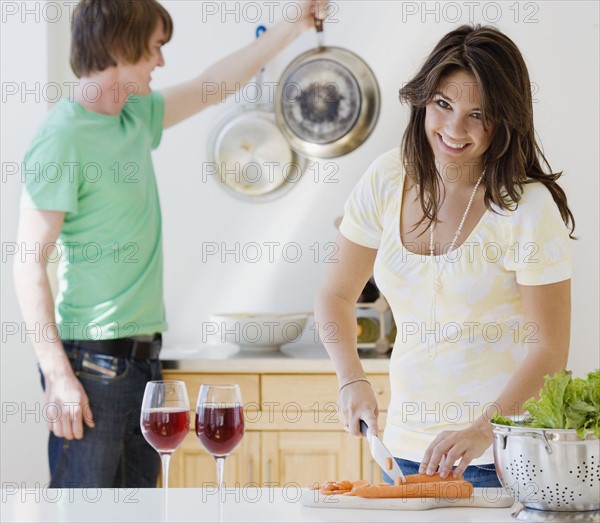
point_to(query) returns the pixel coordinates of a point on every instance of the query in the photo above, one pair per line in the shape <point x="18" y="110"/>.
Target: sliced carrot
<point x="440" y="489"/>
<point x="334" y="487"/>
<point x="424" y="478"/>
<point x="389" y="463"/>
<point x="327" y="492"/>
<point x="417" y="486"/>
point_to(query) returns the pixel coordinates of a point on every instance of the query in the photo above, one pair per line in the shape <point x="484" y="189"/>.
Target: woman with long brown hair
<point x="467" y="233"/>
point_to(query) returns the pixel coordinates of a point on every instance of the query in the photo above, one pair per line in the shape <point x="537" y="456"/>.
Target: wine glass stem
<point x="220" y="462"/>
<point x="165" y="459"/>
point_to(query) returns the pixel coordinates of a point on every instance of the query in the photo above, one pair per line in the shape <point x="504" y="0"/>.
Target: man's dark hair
<point x="105" y="31"/>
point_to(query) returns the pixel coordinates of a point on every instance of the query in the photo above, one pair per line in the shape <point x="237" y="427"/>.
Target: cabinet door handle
<point x="250" y="466"/>
<point x="371" y="479"/>
<point x="268" y="472"/>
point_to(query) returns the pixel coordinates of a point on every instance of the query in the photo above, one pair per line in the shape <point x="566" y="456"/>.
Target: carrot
<point x="441" y="489"/>
<point x="424" y="478"/>
<point x="389" y="463"/>
<point x="334" y="487"/>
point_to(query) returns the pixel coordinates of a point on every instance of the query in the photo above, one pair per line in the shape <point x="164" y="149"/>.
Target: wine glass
<point x="219" y="422"/>
<point x="165" y="420"/>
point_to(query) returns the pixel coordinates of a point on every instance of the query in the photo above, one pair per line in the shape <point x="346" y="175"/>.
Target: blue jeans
<point x="480" y="476"/>
<point x="114" y="454"/>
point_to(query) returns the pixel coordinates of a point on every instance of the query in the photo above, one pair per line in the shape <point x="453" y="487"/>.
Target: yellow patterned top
<point x="480" y="330"/>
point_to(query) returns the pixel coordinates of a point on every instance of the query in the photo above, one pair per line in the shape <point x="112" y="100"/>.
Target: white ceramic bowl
<point x="258" y="333"/>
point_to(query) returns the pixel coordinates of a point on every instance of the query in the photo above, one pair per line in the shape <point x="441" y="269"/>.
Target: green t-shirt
<point x="98" y="169"/>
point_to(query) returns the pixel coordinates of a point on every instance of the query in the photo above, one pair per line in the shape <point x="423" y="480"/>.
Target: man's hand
<point x="231" y="73"/>
<point x="312" y="9"/>
<point x="68" y="406"/>
<point x="67" y="403"/>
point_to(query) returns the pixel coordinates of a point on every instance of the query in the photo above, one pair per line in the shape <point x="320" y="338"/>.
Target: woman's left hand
<point x="452" y="445"/>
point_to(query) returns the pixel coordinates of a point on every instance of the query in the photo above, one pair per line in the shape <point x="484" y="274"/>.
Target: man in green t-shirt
<point x="90" y="191"/>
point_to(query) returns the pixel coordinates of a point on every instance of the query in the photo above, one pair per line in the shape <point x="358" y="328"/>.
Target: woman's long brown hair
<point x="514" y="157"/>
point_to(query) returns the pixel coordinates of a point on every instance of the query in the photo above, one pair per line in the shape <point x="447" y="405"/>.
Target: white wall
<point x="561" y="50"/>
<point x="24" y="63"/>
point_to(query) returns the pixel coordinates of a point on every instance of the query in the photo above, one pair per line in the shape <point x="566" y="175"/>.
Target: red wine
<point x="165" y="428"/>
<point x="220" y="429"/>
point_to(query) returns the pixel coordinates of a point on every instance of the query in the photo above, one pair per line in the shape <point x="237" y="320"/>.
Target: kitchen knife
<point x="381" y="454"/>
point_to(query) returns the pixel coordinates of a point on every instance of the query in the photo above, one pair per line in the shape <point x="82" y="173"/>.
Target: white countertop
<point x="202" y="505"/>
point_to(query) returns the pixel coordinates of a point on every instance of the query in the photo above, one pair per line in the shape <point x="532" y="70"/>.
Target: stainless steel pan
<point x="251" y="155"/>
<point x="327" y="102"/>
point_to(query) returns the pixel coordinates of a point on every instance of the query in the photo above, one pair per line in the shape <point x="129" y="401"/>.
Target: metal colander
<point x="548" y="469"/>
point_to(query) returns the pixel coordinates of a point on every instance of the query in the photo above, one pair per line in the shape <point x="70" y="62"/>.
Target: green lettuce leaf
<point x="578" y="403"/>
<point x="548" y="411"/>
<point x="594" y="398"/>
<point x="567" y="403"/>
<point x="594" y="381"/>
<point x="501" y="420"/>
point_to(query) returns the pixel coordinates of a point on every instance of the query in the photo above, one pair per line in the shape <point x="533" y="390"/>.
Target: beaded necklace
<point x="436" y="284"/>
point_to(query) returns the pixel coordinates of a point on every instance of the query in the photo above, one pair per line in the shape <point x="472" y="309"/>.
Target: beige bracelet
<point x="351" y="382"/>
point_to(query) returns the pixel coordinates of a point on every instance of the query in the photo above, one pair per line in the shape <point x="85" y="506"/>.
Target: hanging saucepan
<point x="253" y="160"/>
<point x="327" y="102"/>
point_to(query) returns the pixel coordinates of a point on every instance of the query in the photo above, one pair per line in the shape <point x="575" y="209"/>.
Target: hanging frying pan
<point x="327" y="102"/>
<point x="251" y="155"/>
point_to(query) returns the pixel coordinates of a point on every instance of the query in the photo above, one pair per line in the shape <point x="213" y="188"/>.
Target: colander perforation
<point x="589" y="472"/>
<point x="557" y="496"/>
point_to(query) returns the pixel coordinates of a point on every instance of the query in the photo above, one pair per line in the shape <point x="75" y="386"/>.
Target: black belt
<point x="129" y="348"/>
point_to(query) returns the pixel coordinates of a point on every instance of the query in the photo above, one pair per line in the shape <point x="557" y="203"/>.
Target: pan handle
<point x="318" y="24"/>
<point x="260" y="30"/>
<point x="259" y="76"/>
<point x="319" y="27"/>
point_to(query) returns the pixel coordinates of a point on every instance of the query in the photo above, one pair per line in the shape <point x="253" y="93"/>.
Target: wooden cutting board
<point x="482" y="497"/>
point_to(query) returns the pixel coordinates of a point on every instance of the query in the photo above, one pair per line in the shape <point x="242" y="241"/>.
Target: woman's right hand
<point x="357" y="402"/>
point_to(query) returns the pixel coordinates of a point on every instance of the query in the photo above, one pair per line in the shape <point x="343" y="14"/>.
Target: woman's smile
<point x="452" y="146"/>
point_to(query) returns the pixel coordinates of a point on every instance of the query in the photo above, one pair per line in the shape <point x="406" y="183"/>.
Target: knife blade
<point x="381" y="454"/>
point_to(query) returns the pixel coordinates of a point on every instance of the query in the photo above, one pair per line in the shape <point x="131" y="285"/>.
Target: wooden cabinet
<point x="303" y="458"/>
<point x="193" y="467"/>
<point x="249" y="384"/>
<point x="314" y="391"/>
<point x="292" y="433"/>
